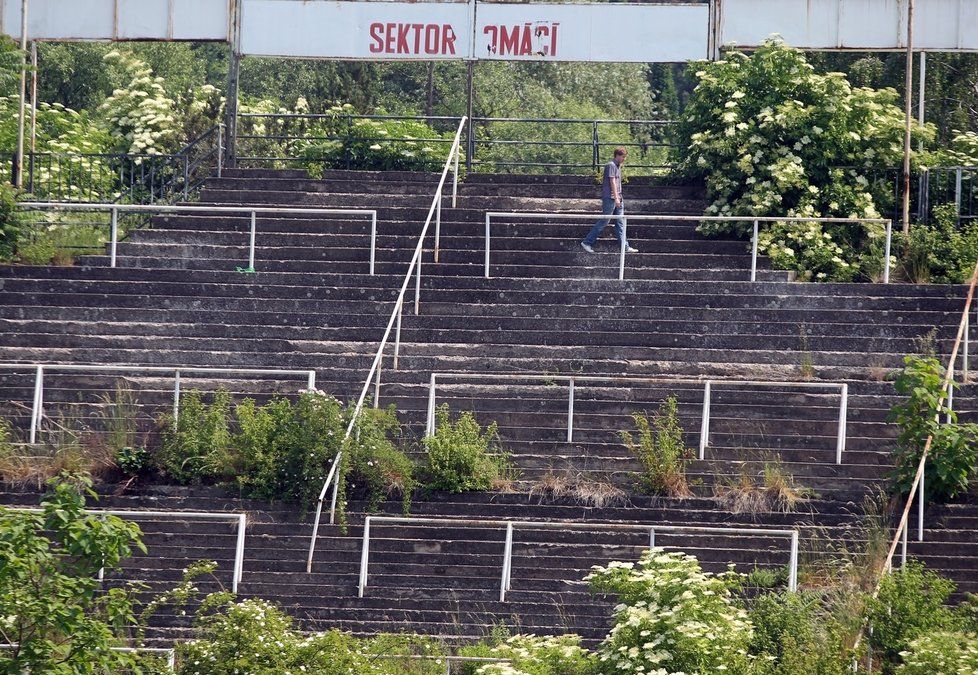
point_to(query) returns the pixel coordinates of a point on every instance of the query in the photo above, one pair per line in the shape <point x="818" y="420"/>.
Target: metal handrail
<point x="757" y="220"/>
<point x="37" y="408"/>
<point x="241" y="519"/>
<point x="708" y="385"/>
<point x="511" y="525"/>
<point x="115" y="209"/>
<point x="414" y="269"/>
<point x="169" y="652"/>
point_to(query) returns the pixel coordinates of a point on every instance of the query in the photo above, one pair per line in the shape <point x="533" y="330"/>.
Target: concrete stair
<point x="685" y="310"/>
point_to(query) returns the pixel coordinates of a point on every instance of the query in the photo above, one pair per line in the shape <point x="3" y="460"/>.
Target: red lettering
<point x="431" y="39"/>
<point x="417" y="36"/>
<point x="526" y="46"/>
<point x="402" y="34"/>
<point x="391" y="37"/>
<point x="447" y="39"/>
<point x="553" y="39"/>
<point x="508" y="41"/>
<point x="493" y="33"/>
<point x="377" y="42"/>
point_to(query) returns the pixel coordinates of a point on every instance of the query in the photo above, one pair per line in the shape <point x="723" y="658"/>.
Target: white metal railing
<point x="37" y="408"/>
<point x="115" y="209"/>
<point x="756" y="220"/>
<point x="373" y="375"/>
<point x="506" y="577"/>
<point x="241" y="519"/>
<point x="168" y="652"/>
<point x="574" y="382"/>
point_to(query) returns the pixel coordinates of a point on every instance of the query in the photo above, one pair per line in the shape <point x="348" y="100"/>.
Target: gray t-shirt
<point x="612" y="172"/>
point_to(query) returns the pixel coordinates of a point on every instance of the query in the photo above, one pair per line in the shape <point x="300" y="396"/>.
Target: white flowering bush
<point x="540" y="655"/>
<point x="141" y="114"/>
<point x="945" y="652"/>
<point x="771" y="137"/>
<point x="673" y="618"/>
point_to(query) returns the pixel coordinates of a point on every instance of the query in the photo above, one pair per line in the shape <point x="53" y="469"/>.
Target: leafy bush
<point x="196" y="446"/>
<point x="772" y="137"/>
<point x="950" y="652"/>
<point x="540" y="655"/>
<point x="461" y="457"/>
<point x="794" y="633"/>
<point x="659" y="447"/>
<point x="141" y="114"/>
<point x="911" y="603"/>
<point x="940" y="252"/>
<point x="377" y="469"/>
<point x="951" y="463"/>
<point x="11" y="226"/>
<point x="673" y="617"/>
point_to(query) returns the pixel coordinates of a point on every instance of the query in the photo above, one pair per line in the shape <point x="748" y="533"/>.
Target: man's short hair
<point x="621" y="152"/>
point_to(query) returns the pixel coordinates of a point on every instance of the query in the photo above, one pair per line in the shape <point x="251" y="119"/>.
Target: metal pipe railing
<point x="253" y="211"/>
<point x="574" y="381"/>
<point x="37" y="408"/>
<point x="506" y="580"/>
<point x="240" y="519"/>
<point x="715" y="219"/>
<point x="413" y="270"/>
<point x="169" y="652"/>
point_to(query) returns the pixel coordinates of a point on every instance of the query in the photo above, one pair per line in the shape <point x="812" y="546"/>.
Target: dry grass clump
<point x="776" y="491"/>
<point x="569" y="485"/>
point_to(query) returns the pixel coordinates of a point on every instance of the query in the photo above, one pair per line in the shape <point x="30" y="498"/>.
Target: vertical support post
<point x="793" y="563"/>
<point x="33" y="143"/>
<point x="220" y="149"/>
<point x="311" y="382"/>
<point x="101" y="570"/>
<point x="19" y="158"/>
<point x="840" y="444"/>
<point x="504" y="582"/>
<point x="397" y="332"/>
<point x="487" y="247"/>
<point x="950" y="398"/>
<point x="753" y="252"/>
<point x="364" y="557"/>
<point x="113" y="235"/>
<point x="469" y="94"/>
<point x="234" y="72"/>
<point x="903" y="545"/>
<point x="251" y="242"/>
<point x="652" y="537"/>
<point x="957" y="192"/>
<point x="595" y="147"/>
<point x="966" y="348"/>
<point x="458" y="150"/>
<point x="922" y="93"/>
<point x="373" y="240"/>
<point x="417" y="285"/>
<point x="430" y="426"/>
<point x="176" y="397"/>
<point x="570" y="411"/>
<point x="624" y="239"/>
<point x="886" y="251"/>
<point x="38" y="402"/>
<point x="437" y="224"/>
<point x="705" y="421"/>
<point x="186" y="177"/>
<point x="380" y="363"/>
<point x="239" y="552"/>
<point x="908" y="112"/>
<point x="921" y="492"/>
<point x="336" y="488"/>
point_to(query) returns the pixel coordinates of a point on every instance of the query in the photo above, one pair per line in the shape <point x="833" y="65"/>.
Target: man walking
<point x="611" y="203"/>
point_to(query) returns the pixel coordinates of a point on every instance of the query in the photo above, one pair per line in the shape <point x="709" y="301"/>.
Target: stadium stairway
<point x="685" y="310"/>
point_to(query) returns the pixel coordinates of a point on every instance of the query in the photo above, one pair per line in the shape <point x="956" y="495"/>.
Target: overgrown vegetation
<point x="461" y="456"/>
<point x="576" y="486"/>
<point x="951" y="463"/>
<point x="776" y="491"/>
<point x="658" y="445"/>
<point x="940" y="252"/>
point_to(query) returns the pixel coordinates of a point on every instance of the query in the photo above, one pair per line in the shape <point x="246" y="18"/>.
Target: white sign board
<point x="593" y="32"/>
<point x="341" y="29"/>
<point x="190" y="20"/>
<point x="939" y="25"/>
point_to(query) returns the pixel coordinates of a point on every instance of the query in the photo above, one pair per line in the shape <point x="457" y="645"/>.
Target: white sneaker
<point x="587" y="247"/>
<point x="631" y="249"/>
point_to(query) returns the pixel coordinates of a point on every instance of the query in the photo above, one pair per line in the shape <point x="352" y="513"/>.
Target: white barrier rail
<point x="37" y="408"/>
<point x="241" y="519"/>
<point x="373" y="375"/>
<point x="574" y="382"/>
<point x="506" y="577"/>
<point x="888" y="224"/>
<point x="168" y="652"/>
<point x="253" y="211"/>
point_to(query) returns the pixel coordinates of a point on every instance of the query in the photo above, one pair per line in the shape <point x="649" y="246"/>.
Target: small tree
<point x="52" y="607"/>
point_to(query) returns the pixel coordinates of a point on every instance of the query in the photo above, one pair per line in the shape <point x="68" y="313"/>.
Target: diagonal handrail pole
<point x="378" y="357"/>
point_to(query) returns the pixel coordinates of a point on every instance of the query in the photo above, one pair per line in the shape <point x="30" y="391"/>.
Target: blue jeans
<point x="608" y="208"/>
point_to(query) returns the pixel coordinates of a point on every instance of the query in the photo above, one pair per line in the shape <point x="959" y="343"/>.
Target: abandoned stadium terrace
<point x="530" y="332"/>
